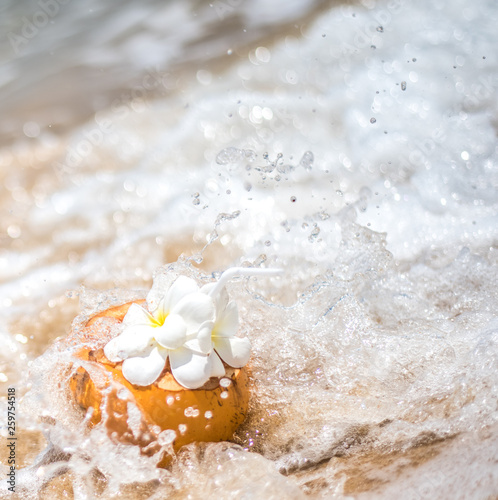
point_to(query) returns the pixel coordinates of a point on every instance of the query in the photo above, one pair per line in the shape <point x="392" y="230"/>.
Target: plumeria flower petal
<point x="180" y="288"/>
<point x="202" y="341"/>
<point x="195" y="309"/>
<point x="227" y="322"/>
<point x="217" y="368"/>
<point x="132" y="342"/>
<point x="137" y="315"/>
<point x="234" y="351"/>
<point x="144" y="370"/>
<point x="190" y="369"/>
<point x="172" y="333"/>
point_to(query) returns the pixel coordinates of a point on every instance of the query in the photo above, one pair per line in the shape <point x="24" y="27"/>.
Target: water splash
<point x="232" y="155"/>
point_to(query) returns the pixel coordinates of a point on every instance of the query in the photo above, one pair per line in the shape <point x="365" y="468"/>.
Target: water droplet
<point x="259" y="260"/>
<point x="212" y="237"/>
<point x="403" y="85"/>
<point x="197" y="258"/>
<point x="234" y="155"/>
<point x="225" y="382"/>
<point x="224" y="395"/>
<point x="191" y="412"/>
<point x="372" y="120"/>
<point x="170" y="400"/>
<point x="307" y="160"/>
<point x="293" y="199"/>
<point x="223" y="217"/>
<point x="284" y="169"/>
<point x="182" y="428"/>
<point x="267" y="243"/>
<point x="204" y="77"/>
<point x="314" y="234"/>
<point x="249" y="155"/>
<point x="166" y="437"/>
<point x="380" y="29"/>
<point x="208" y="414"/>
<point x="31" y="129"/>
<point x="14" y="231"/>
<point x="196" y="201"/>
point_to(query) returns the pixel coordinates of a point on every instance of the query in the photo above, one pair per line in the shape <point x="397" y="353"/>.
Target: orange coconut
<point x="211" y="413"/>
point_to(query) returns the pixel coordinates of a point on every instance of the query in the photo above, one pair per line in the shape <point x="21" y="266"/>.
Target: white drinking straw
<point x="233" y="272"/>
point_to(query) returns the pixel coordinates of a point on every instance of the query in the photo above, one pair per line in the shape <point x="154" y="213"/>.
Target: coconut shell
<point x="210" y="413"/>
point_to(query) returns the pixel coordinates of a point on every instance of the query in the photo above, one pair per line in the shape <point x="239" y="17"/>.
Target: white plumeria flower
<point x="191" y="327"/>
<point x="234" y="351"/>
<point x="184" y="316"/>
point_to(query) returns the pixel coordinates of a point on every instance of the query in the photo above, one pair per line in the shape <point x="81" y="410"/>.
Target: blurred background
<point x="62" y="61"/>
<point x="352" y="143"/>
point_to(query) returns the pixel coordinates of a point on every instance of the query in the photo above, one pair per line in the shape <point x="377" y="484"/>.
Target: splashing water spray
<point x="177" y="360"/>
